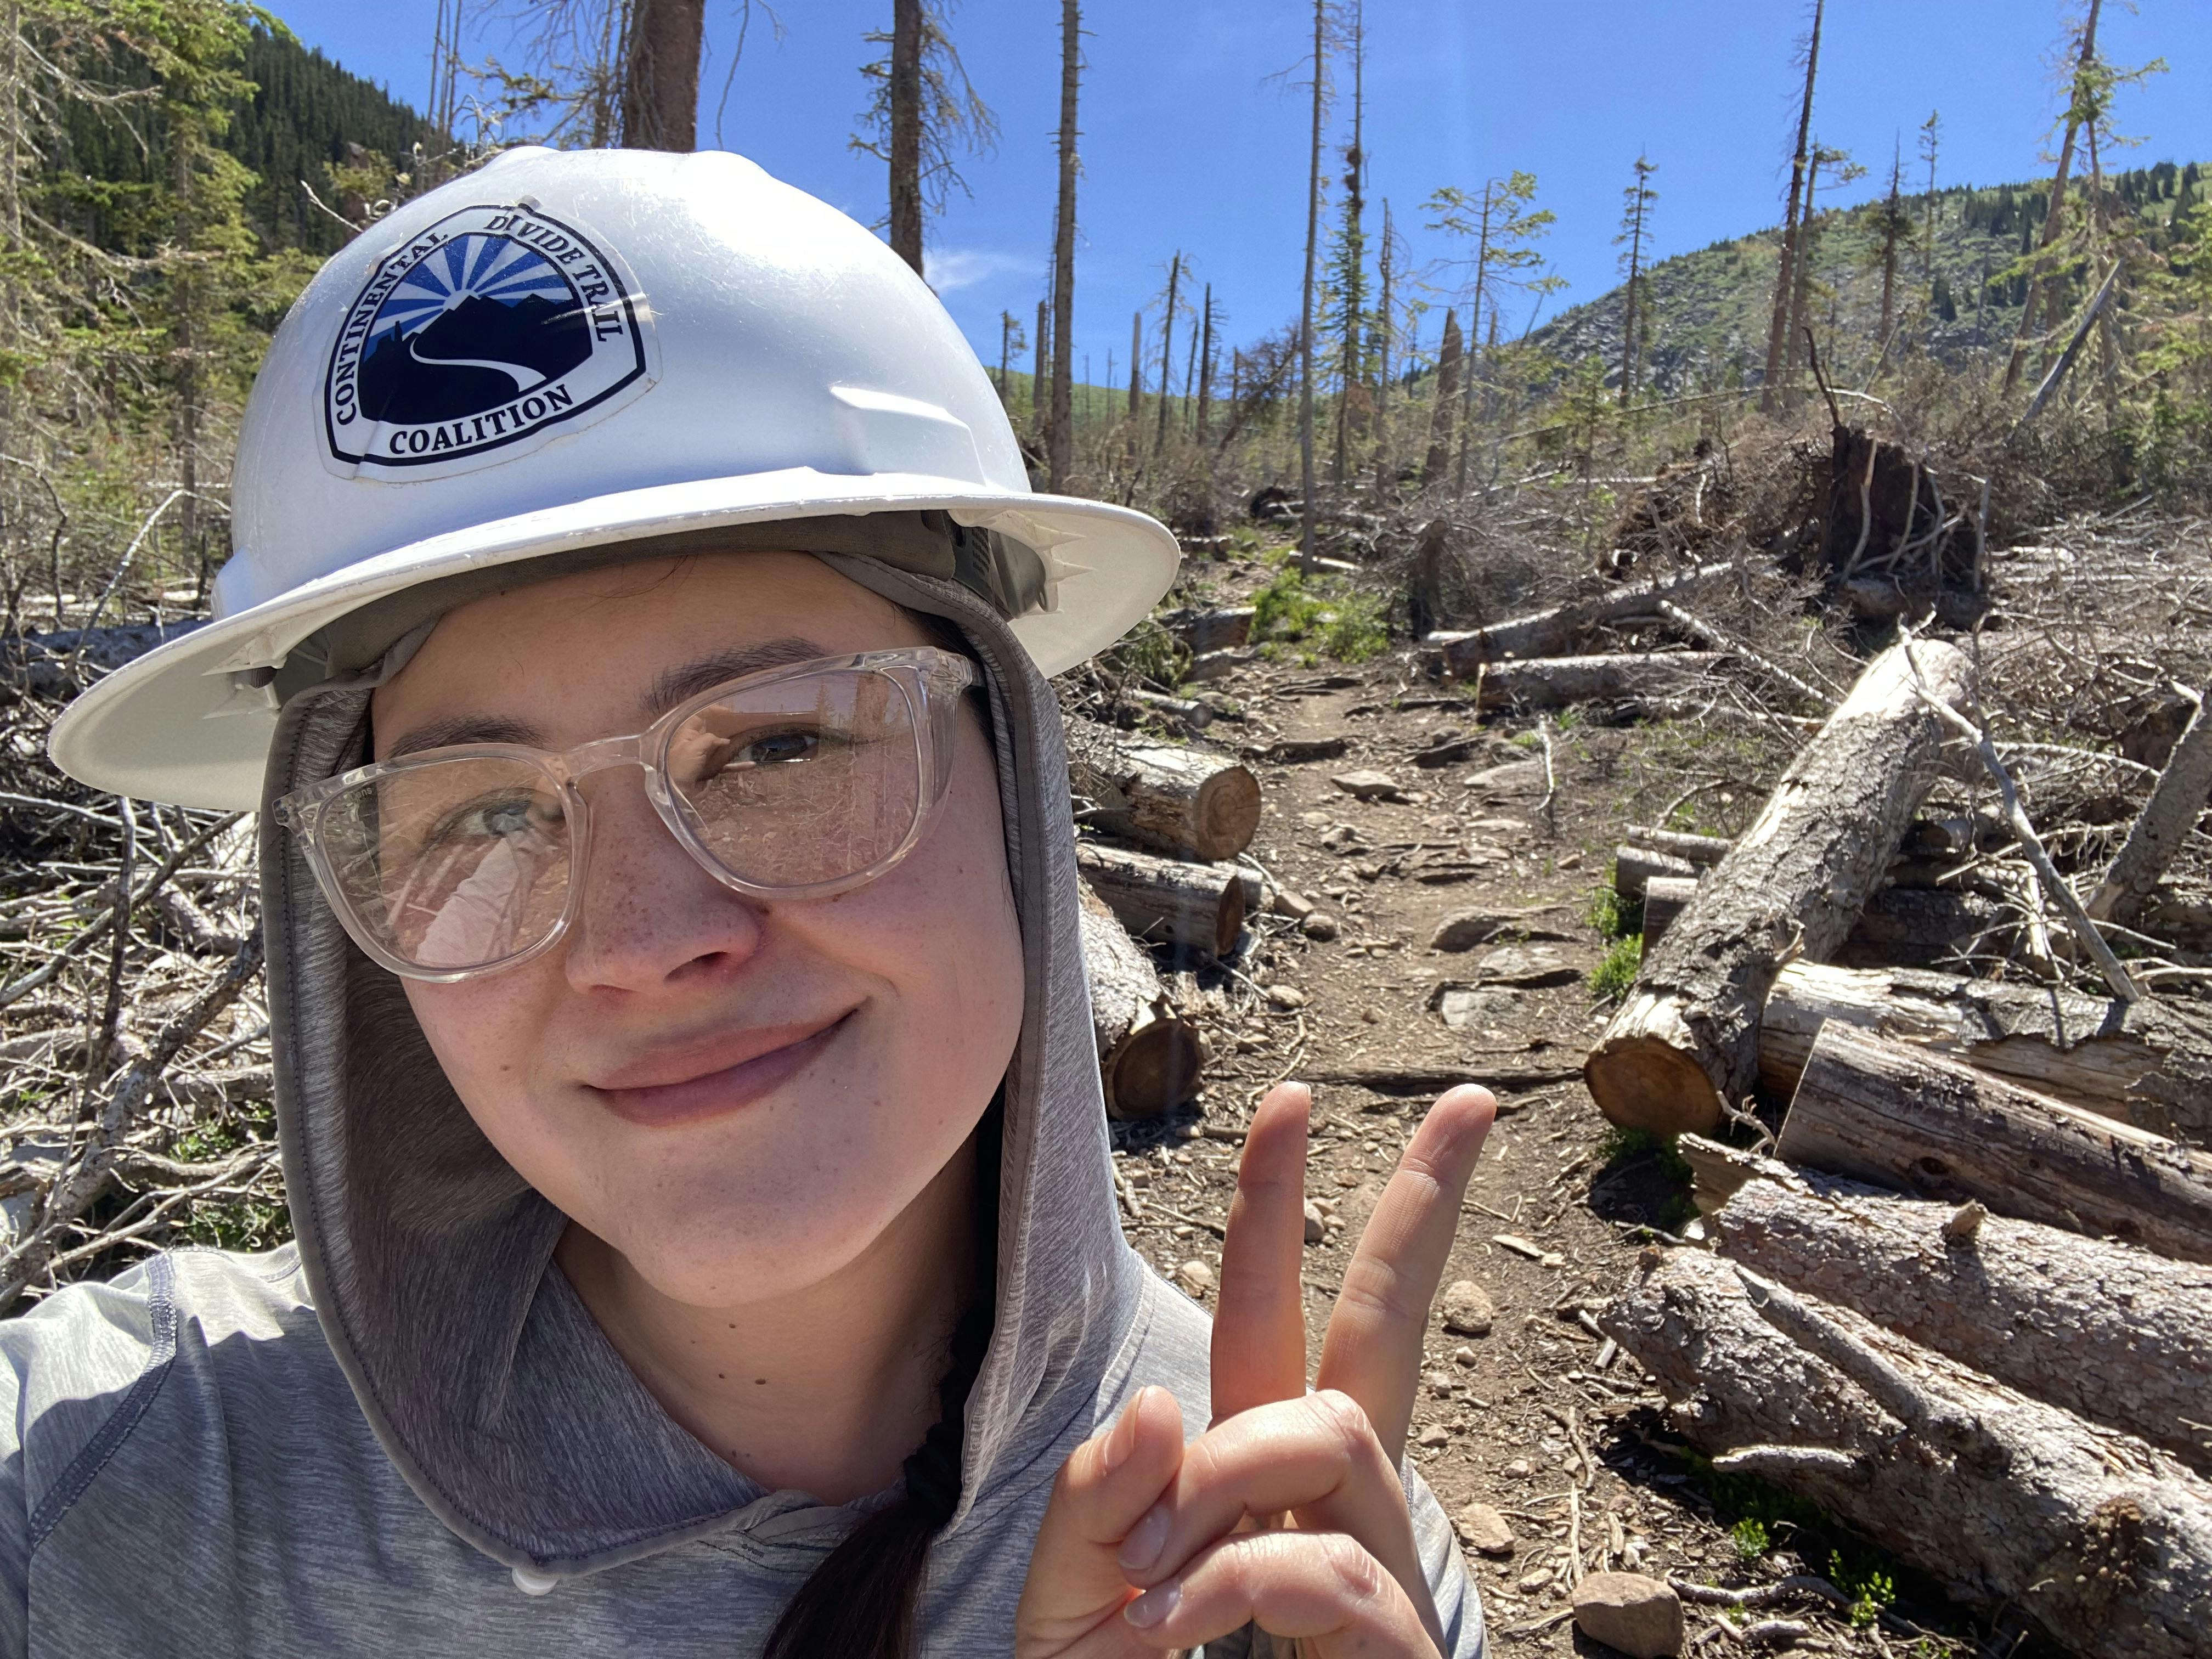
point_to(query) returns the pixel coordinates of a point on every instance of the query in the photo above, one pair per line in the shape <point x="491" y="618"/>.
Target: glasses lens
<point x="451" y="865"/>
<point x="803" y="781"/>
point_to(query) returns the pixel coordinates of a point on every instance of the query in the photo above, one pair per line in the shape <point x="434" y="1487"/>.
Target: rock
<point x="1214" y="664"/>
<point x="1464" y="1008"/>
<point x="1341" y="839"/>
<point x="1286" y="996"/>
<point x="1495" y="827"/>
<point x="1294" y="749"/>
<point x="1321" y="926"/>
<point x="1483" y="1529"/>
<point x="1195" y="1277"/>
<point x="1435" y="1435"/>
<point x="1529" y="965"/>
<point x="1284" y="902"/>
<point x="1316" y="1223"/>
<point x="1520" y="1468"/>
<point x="1464" y="930"/>
<point x="1368" y="784"/>
<point x="1532" y="1582"/>
<point x="1639" y="1616"/>
<point x="1463" y="1355"/>
<point x="1467" y="1309"/>
<point x="1521" y="777"/>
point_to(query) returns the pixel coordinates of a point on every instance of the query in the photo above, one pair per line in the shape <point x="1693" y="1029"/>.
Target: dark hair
<point x="860" y="1603"/>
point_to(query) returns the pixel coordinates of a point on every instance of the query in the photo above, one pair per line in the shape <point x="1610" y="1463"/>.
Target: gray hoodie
<point x="405" y="1434"/>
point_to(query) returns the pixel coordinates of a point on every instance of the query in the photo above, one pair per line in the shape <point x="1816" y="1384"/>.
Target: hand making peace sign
<point x="1149" y="1546"/>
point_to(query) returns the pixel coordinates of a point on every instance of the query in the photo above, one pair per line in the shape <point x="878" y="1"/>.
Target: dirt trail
<point x="1537" y="1416"/>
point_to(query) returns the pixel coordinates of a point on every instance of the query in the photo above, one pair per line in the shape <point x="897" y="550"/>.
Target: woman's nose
<point x="649" y="915"/>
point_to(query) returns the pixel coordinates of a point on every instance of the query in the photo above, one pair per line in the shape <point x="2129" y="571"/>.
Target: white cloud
<point x="949" y="270"/>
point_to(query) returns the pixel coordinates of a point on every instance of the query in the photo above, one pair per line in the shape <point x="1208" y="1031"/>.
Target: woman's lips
<point x="771" y="1058"/>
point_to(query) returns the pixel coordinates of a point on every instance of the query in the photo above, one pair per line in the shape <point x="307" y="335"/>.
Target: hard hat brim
<point x="175" y="725"/>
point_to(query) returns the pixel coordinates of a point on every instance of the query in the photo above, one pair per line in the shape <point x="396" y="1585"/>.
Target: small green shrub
<point x="1617" y="971"/>
<point x="1750" y="1539"/>
<point x="1151" y="651"/>
<point x="1611" y="915"/>
<point x="1328" y="616"/>
<point x="1871" y="1591"/>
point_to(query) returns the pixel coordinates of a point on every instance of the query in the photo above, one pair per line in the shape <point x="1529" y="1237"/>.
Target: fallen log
<point x="1194" y="715"/>
<point x="1199" y="907"/>
<point x="1899" y="927"/>
<point x="1205" y="631"/>
<point x="1635" y="868"/>
<point x="2176" y="803"/>
<point x="1687" y="1038"/>
<point x="2148" y="1063"/>
<point x="63" y="663"/>
<point x="1900" y="1116"/>
<point x="1161" y="795"/>
<point x="1548" y="632"/>
<point x="2106" y="1540"/>
<point x="1562" y="681"/>
<point x="1665" y="897"/>
<point x="2113" y="1332"/>
<point x="1148" y="1059"/>
<point x="1703" y="851"/>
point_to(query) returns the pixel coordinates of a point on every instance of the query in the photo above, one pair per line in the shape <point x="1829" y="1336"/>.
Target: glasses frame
<point x="932" y="681"/>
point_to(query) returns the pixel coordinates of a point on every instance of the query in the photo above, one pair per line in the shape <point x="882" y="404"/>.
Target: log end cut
<point x="1644" y="1076"/>
<point x="1152" y="1070"/>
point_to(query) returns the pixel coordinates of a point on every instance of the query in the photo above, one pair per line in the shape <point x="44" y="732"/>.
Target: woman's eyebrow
<point x="674" y="685"/>
<point x="464" y="728"/>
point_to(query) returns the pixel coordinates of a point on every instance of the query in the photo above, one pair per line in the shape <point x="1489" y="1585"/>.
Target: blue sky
<point x="1194" y="123"/>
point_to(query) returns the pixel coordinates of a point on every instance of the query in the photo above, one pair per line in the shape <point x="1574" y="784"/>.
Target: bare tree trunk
<point x="1307" y="549"/>
<point x="1382" y="464"/>
<point x="1467" y="361"/>
<point x="1039" y="408"/>
<point x="1167" y="352"/>
<point x="2164" y="824"/>
<point x="2039" y="284"/>
<point x="1166" y="901"/>
<point x="1440" y="415"/>
<point x="1163" y="796"/>
<point x="905" y="131"/>
<point x="660" y="81"/>
<point x="1060" y="449"/>
<point x="1785" y="274"/>
<point x="1206" y="366"/>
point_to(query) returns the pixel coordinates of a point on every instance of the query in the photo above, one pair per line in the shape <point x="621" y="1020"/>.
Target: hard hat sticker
<point x="485" y="335"/>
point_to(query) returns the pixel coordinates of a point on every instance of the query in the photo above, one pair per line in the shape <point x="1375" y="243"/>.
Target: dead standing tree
<point x="921" y="107"/>
<point x="1778" y="340"/>
<point x="1310" y="514"/>
<point x="1635" y="227"/>
<point x="660" y="77"/>
<point x="2040" y="290"/>
<point x="1060" y="441"/>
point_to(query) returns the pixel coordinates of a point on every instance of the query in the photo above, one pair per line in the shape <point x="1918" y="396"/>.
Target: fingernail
<point x="1122" y="1441"/>
<point x="1145" y="1540"/>
<point x="1154" y="1605"/>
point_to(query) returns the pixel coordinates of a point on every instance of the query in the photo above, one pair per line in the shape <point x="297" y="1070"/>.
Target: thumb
<point x="1109" y="1482"/>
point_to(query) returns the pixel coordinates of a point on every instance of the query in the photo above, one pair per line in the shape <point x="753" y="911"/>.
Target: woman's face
<point x="737" y="1095"/>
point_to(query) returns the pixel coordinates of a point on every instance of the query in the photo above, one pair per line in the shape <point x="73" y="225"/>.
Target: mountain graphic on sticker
<point x="477" y="324"/>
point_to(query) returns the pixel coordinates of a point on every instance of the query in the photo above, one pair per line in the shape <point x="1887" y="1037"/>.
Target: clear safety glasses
<point x="794" y="782"/>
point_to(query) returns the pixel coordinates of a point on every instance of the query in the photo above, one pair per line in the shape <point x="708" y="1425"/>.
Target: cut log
<point x="1195" y="716"/>
<point x="1548" y="632"/>
<point x="1703" y="851"/>
<point x="1160" y="795"/>
<point x="2148" y="1063"/>
<point x="1687" y="1036"/>
<point x="1891" y="1113"/>
<point x="1199" y="907"/>
<point x="2175" y="805"/>
<point x="1665" y="897"/>
<point x="1634" y="870"/>
<point x="1205" y="631"/>
<point x="1899" y="927"/>
<point x="2105" y="1540"/>
<point x="1148" y="1059"/>
<point x="1562" y="681"/>
<point x="2113" y="1332"/>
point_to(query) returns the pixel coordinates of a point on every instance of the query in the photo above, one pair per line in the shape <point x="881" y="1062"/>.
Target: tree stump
<point x="1162" y="796"/>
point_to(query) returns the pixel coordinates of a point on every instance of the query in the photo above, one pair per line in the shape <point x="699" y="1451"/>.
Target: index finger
<point x="1373" y="1348"/>
<point x="1260" y="1318"/>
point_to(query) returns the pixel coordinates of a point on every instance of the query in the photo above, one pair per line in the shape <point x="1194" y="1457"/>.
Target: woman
<point x="636" y="642"/>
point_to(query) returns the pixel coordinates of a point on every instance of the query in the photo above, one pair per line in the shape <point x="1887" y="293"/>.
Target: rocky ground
<point x="1452" y="940"/>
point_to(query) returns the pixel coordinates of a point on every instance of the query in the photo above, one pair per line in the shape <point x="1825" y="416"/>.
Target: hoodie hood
<point x="431" y="1261"/>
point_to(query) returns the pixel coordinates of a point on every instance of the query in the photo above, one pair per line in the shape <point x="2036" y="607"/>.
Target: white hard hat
<point x="568" y="349"/>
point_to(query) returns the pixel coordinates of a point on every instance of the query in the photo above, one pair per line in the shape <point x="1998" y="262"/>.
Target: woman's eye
<point x="492" y="820"/>
<point x="776" y="749"/>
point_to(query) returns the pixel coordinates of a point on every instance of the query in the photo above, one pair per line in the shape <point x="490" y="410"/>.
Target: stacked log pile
<point x="1163" y="824"/>
<point x="1966" y="1304"/>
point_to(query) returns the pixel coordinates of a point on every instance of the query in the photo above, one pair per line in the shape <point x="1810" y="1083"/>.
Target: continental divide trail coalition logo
<point x="484" y="336"/>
